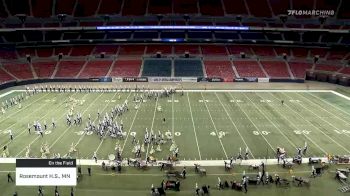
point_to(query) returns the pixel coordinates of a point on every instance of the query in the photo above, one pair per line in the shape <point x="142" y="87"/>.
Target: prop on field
<point x="342" y="174"/>
<point x="200" y="170"/>
<point x="300" y="181"/>
<point x="28" y="152"/>
<point x="45" y="150"/>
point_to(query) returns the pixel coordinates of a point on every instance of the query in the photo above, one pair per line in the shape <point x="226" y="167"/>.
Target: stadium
<point x="185" y="97"/>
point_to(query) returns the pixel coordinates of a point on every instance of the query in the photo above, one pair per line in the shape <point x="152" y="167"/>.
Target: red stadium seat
<point x="21" y="71"/>
<point x="221" y="69"/>
<point x="96" y="69"/>
<point x="5" y="77"/>
<point x="131" y="50"/>
<point x="329" y="68"/>
<point x="126" y="68"/>
<point x="276" y="69"/>
<point x="81" y="50"/>
<point x="69" y="69"/>
<point x="299" y="69"/>
<point x="248" y="69"/>
<point x="44" y="69"/>
<point x="214" y="50"/>
<point x="181" y="49"/>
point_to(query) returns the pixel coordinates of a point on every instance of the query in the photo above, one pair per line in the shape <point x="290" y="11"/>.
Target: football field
<point x="205" y="125"/>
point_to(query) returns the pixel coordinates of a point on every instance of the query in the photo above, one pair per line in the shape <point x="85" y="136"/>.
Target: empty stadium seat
<point x="5" y="77"/>
<point x="131" y="50"/>
<point x="181" y="49"/>
<point x="126" y="68"/>
<point x="44" y="52"/>
<point x="330" y="68"/>
<point x="96" y="69"/>
<point x="156" y="67"/>
<point x="263" y="51"/>
<point x="164" y="49"/>
<point x="44" y="69"/>
<point x="299" y="68"/>
<point x="188" y="67"/>
<point x="108" y="49"/>
<point x="21" y="71"/>
<point x="81" y="50"/>
<point x="42" y="8"/>
<point x="69" y="69"/>
<point x="221" y="69"/>
<point x="248" y="69"/>
<point x="214" y="50"/>
<point x="276" y="69"/>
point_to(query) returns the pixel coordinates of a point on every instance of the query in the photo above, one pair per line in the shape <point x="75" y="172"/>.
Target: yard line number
<point x="261" y="133"/>
<point x="299" y="132"/>
<point x="343" y="131"/>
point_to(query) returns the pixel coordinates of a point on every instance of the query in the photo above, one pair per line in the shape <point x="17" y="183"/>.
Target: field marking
<point x="336" y="107"/>
<point x="216" y="130"/>
<point x="292" y="124"/>
<point x="347" y="122"/>
<point x="321" y="117"/>
<point x="154" y="116"/>
<point x="7" y="93"/>
<point x="39" y="135"/>
<point x="101" y="142"/>
<point x="7" y="117"/>
<point x="239" y="133"/>
<point x="127" y="135"/>
<point x="327" y="112"/>
<point x="320" y="129"/>
<point x="25" y="130"/>
<point x="194" y="127"/>
<point x="253" y="124"/>
<point x="341" y="95"/>
<point x="263" y="113"/>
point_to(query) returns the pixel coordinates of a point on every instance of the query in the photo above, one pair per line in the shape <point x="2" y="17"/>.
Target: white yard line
<point x="20" y="110"/>
<point x="273" y="149"/>
<point x="39" y="135"/>
<point x="154" y="116"/>
<point x="319" y="116"/>
<point x="322" y="118"/>
<point x="25" y="130"/>
<point x="336" y="107"/>
<point x="103" y="139"/>
<point x="302" y="117"/>
<point x="5" y="94"/>
<point x="292" y="124"/>
<point x="216" y="130"/>
<point x="347" y="122"/>
<point x="194" y="128"/>
<point x="263" y="113"/>
<point x="127" y="135"/>
<point x="236" y="128"/>
<point x="341" y="95"/>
